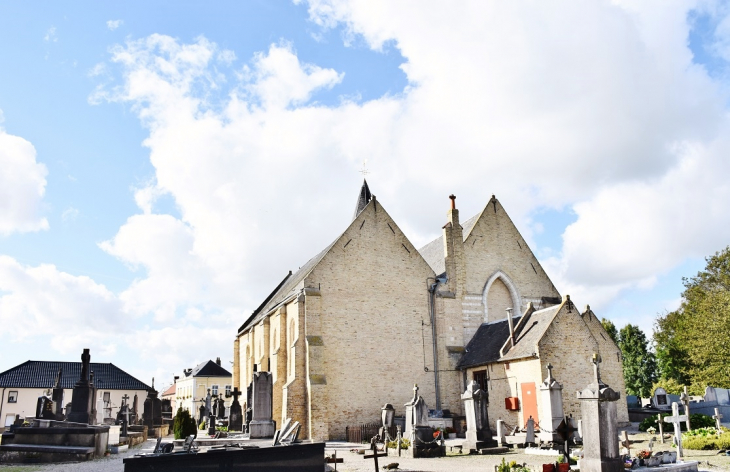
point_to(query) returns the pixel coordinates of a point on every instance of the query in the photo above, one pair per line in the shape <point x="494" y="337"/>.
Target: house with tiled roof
<point x="21" y="386"/>
<point x="371" y="315"/>
<point x="193" y="385"/>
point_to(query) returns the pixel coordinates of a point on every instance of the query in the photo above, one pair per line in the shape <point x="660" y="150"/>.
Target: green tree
<point x="183" y="425"/>
<point x="692" y="343"/>
<point x="639" y="363"/>
<point x="610" y="329"/>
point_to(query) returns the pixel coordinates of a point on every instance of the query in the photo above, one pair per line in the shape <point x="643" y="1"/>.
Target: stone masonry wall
<point x="494" y="244"/>
<point x="569" y="345"/>
<point x="611" y="365"/>
<point x="373" y="331"/>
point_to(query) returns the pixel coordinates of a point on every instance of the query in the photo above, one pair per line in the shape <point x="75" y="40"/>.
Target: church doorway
<point x="529" y="402"/>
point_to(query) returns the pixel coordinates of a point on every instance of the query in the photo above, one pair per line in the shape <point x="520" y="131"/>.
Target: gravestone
<point x="660" y="400"/>
<point x="632" y="401"/>
<point x="717" y="417"/>
<point x="201" y="417"/>
<point x="262" y="425"/>
<point x="235" y="416"/>
<point x="57" y="397"/>
<point x="82" y="398"/>
<point x="501" y="439"/>
<point x="676" y="419"/>
<point x="599" y="428"/>
<point x="551" y="393"/>
<point x="418" y="431"/>
<point x="135" y="411"/>
<point x="478" y="434"/>
<point x="166" y="408"/>
<point x="723" y="396"/>
<point x="710" y="395"/>
<point x="44" y="408"/>
<point x="152" y="408"/>
<point x="530" y="431"/>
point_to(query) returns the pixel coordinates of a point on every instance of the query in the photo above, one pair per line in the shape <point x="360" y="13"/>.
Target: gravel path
<point x="454" y="462"/>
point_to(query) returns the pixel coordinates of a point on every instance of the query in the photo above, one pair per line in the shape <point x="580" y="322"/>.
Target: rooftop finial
<point x="363" y="198"/>
<point x="453" y="201"/>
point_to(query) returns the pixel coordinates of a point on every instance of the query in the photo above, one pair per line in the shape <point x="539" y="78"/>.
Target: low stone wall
<point x="132" y="439"/>
<point x="59" y="443"/>
<point x="139" y="429"/>
<point x="159" y="431"/>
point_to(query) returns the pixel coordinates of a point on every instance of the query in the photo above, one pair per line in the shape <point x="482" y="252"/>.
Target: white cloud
<point x="51" y="35"/>
<point x="22" y="186"/>
<point x="70" y="214"/>
<point x="618" y="125"/>
<point x="114" y="24"/>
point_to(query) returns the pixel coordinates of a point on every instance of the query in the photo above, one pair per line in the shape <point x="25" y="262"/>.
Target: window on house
<point x="228" y="390"/>
<point x="13" y="396"/>
<point x="107" y="397"/>
<point x="214" y="390"/>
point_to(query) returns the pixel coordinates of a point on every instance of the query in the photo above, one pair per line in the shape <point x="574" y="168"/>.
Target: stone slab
<point x="296" y="457"/>
<point x="689" y="466"/>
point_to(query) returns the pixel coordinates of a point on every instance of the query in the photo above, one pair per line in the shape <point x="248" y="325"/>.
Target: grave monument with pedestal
<point x="423" y="444"/>
<point x="478" y="434"/>
<point x="235" y="415"/>
<point x="551" y="393"/>
<point x="261" y="425"/>
<point x="82" y="398"/>
<point x="600" y="433"/>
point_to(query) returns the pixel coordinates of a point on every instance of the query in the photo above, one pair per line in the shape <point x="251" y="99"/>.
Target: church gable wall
<point x="494" y="244"/>
<point x="367" y="325"/>
<point x="611" y="362"/>
<point x="568" y="345"/>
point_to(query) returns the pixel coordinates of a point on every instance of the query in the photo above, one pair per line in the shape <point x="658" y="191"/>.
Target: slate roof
<point x="363" y="199"/>
<point x="285" y="289"/>
<point x="42" y="374"/>
<point x="529" y="332"/>
<point x="486" y="344"/>
<point x="433" y="252"/>
<point x="210" y="369"/>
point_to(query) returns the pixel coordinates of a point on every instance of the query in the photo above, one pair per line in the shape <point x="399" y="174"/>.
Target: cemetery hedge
<point x="697" y="420"/>
<point x="183" y="425"/>
<point x="707" y="442"/>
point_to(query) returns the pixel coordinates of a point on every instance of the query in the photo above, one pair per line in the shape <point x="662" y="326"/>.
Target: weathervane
<point x="364" y="171"/>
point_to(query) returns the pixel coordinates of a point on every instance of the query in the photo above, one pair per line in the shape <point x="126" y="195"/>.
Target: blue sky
<point x="166" y="163"/>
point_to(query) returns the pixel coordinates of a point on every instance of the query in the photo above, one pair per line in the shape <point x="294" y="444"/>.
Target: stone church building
<point x="371" y="315"/>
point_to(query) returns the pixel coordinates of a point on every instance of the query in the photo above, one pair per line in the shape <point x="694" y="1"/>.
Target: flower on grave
<point x="643" y="454"/>
<point x="651" y="430"/>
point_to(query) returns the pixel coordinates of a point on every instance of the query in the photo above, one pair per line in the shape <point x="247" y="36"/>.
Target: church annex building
<point x="371" y="315"/>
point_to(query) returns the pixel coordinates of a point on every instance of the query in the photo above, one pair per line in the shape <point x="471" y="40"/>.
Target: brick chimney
<point x="454" y="250"/>
<point x="218" y="360"/>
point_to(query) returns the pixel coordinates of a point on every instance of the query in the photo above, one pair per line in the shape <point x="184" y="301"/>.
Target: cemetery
<point x="245" y="435"/>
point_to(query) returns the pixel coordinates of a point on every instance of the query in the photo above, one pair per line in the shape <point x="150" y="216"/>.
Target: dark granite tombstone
<point x="135" y="411"/>
<point x="44" y="408"/>
<point x="249" y="410"/>
<point x="57" y="397"/>
<point x="201" y="418"/>
<point x="82" y="399"/>
<point x="166" y="408"/>
<point x="152" y="408"/>
<point x="235" y="415"/>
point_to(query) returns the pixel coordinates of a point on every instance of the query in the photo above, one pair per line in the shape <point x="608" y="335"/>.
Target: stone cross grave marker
<point x="684" y="398"/>
<point x="566" y="429"/>
<point x="661" y="428"/>
<point x="717" y="417"/>
<point x="676" y="419"/>
<point x="125" y="412"/>
<point x="626" y="443"/>
<point x="374" y="456"/>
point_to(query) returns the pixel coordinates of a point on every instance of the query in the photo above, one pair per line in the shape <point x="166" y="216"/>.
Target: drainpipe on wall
<point x="432" y="295"/>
